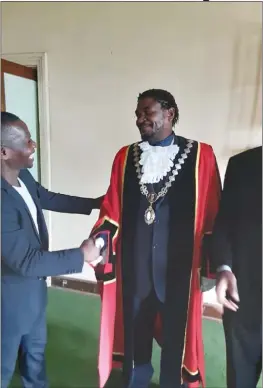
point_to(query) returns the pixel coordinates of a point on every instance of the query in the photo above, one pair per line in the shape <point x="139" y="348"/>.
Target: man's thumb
<point x="221" y="291"/>
<point x="233" y="291"/>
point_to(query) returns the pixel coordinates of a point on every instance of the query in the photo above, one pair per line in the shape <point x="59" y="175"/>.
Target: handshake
<point x="91" y="250"/>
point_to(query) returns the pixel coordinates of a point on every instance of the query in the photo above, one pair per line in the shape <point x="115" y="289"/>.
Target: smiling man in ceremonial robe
<point x="162" y="200"/>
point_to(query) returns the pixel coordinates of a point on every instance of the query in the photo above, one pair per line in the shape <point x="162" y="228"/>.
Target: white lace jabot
<point x="156" y="161"/>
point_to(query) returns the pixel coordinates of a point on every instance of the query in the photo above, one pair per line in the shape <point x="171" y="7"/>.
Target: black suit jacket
<point x="237" y="235"/>
<point x="24" y="251"/>
<point x="25" y="259"/>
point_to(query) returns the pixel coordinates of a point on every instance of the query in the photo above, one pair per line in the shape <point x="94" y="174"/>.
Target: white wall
<point x="101" y="55"/>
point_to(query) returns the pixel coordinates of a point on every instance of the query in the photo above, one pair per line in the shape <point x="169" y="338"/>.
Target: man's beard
<point x="156" y="129"/>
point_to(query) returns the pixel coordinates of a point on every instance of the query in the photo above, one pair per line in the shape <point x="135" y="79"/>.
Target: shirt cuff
<point x="224" y="268"/>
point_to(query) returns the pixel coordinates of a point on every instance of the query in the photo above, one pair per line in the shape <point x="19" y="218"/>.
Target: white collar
<point x="156" y="161"/>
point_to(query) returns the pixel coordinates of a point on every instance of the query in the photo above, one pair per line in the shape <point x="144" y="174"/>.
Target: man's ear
<point x="171" y="114"/>
<point x="4" y="153"/>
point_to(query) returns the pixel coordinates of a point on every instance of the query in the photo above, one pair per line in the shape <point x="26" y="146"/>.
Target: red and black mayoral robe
<point x="193" y="204"/>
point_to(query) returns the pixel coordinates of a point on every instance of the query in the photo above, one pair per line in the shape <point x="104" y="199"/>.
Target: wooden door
<point x="15" y="69"/>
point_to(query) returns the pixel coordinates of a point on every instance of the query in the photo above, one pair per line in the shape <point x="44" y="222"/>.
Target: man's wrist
<point x="97" y="202"/>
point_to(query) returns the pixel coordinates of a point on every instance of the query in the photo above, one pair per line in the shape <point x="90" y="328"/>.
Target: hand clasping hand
<point x="91" y="251"/>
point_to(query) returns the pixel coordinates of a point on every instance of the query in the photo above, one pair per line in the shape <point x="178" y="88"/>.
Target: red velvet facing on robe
<point x="208" y="188"/>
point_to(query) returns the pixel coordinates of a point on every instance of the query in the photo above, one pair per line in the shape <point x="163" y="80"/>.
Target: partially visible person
<point x="237" y="252"/>
<point x="25" y="258"/>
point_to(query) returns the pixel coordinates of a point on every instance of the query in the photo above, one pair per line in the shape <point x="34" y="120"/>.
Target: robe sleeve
<point x="108" y="223"/>
<point x="212" y="205"/>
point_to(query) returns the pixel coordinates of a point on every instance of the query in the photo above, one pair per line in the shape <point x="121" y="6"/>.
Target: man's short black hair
<point x="165" y="99"/>
<point x="8" y="118"/>
<point x="8" y="132"/>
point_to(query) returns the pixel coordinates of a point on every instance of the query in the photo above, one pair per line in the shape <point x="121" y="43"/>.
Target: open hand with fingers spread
<point x="226" y="290"/>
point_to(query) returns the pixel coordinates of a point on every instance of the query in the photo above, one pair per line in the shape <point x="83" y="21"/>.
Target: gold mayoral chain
<point x="149" y="215"/>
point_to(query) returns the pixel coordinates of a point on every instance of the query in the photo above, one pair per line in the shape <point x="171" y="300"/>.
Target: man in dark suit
<point x="237" y="252"/>
<point x="26" y="261"/>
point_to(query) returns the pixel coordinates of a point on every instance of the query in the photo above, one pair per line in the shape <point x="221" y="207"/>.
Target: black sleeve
<point x="222" y="232"/>
<point x="18" y="253"/>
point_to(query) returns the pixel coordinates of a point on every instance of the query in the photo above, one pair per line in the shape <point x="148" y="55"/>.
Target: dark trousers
<point x="30" y="349"/>
<point x="145" y="312"/>
<point x="243" y="350"/>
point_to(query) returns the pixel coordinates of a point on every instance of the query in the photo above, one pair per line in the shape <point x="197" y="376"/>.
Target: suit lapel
<point x="21" y="203"/>
<point x="31" y="186"/>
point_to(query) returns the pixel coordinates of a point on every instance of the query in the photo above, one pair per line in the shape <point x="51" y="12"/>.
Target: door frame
<point x="40" y="62"/>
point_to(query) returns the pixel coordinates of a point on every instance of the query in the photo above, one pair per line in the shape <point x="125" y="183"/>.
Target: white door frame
<point x="39" y="61"/>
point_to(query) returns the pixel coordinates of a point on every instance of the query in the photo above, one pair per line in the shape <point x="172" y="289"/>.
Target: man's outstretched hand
<point x="226" y="290"/>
